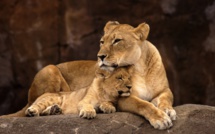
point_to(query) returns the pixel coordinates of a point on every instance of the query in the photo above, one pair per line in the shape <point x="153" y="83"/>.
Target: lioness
<point x="121" y="45"/>
<point x="102" y="95"/>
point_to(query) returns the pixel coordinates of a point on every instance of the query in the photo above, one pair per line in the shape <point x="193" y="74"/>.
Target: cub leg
<point x="164" y="102"/>
<point x="157" y="118"/>
<point x="107" y="107"/>
<point x="41" y="104"/>
<point x="86" y="106"/>
<point x="86" y="110"/>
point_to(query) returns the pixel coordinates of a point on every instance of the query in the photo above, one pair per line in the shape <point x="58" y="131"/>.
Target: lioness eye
<point x="116" y="41"/>
<point x="101" y="42"/>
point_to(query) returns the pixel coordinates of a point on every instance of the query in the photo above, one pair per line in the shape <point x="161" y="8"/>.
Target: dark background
<point x="35" y="33"/>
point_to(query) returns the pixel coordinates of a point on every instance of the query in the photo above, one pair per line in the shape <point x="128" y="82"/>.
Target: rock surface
<point x="35" y="33"/>
<point x="191" y="119"/>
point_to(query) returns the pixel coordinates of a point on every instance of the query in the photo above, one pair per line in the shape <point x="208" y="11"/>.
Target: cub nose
<point x="120" y="92"/>
<point x="101" y="57"/>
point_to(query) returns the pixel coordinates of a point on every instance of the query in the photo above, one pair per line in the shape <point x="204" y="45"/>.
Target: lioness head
<point x="115" y="83"/>
<point x="121" y="44"/>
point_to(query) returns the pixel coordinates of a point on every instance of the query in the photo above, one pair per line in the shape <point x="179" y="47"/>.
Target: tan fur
<point x="74" y="75"/>
<point x="121" y="45"/>
<point x="102" y="95"/>
<point x="151" y="97"/>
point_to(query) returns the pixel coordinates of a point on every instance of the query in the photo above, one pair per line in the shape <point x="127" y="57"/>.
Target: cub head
<point x="115" y="83"/>
<point x="121" y="44"/>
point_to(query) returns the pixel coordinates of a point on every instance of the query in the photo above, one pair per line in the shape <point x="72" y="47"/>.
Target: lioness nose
<point x="102" y="57"/>
<point x="129" y="87"/>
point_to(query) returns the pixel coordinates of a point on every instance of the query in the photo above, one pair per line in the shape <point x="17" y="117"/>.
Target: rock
<point x="195" y="119"/>
<point x="35" y="33"/>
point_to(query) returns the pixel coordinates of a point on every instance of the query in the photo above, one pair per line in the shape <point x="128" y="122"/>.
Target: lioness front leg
<point x="164" y="102"/>
<point x="157" y="118"/>
<point x="107" y="107"/>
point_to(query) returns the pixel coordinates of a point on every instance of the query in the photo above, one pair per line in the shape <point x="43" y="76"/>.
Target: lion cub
<point x="101" y="95"/>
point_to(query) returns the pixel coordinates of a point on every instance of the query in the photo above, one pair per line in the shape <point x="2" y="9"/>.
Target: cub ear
<point x="131" y="69"/>
<point x="142" y="31"/>
<point x="102" y="73"/>
<point x="109" y="25"/>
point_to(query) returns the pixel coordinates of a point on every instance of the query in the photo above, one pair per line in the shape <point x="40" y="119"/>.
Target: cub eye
<point x="119" y="78"/>
<point x="116" y="41"/>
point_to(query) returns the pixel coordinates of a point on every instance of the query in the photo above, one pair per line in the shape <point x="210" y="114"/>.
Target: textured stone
<point x="195" y="119"/>
<point x="29" y="40"/>
<point x="34" y="33"/>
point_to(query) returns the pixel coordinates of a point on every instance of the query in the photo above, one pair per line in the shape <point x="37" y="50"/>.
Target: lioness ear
<point x="109" y="25"/>
<point x="142" y="31"/>
<point x="102" y="73"/>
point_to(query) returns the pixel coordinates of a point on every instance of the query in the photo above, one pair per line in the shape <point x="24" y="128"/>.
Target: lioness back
<point x="78" y="74"/>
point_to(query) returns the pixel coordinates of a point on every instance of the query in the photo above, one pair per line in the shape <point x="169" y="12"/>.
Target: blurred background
<point x="35" y="33"/>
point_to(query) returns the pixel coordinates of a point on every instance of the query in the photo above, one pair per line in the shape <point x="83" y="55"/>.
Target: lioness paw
<point x="107" y="108"/>
<point x="87" y="113"/>
<point x="171" y="113"/>
<point x="161" y="121"/>
<point x="31" y="112"/>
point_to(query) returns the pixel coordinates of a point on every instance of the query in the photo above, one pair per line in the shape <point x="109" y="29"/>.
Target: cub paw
<point x="87" y="113"/>
<point x="52" y="110"/>
<point x="31" y="112"/>
<point x="55" y="110"/>
<point x="160" y="120"/>
<point x="107" y="108"/>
